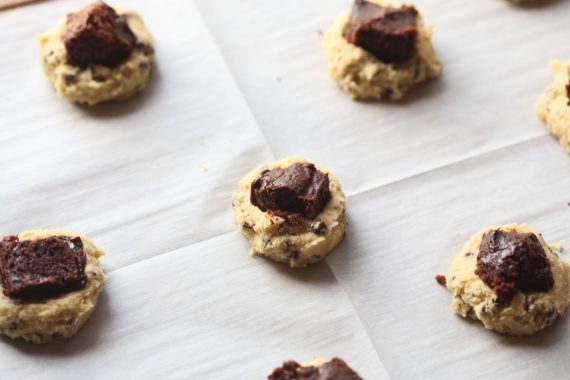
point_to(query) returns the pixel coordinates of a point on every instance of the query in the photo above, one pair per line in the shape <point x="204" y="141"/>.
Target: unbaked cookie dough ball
<point x="50" y="284"/>
<point x="380" y="49"/>
<point x="553" y="108"/>
<point x="98" y="54"/>
<point x="510" y="279"/>
<point x="315" y="369"/>
<point x="291" y="211"/>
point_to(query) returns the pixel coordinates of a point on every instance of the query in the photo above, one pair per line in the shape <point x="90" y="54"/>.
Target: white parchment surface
<point x="238" y="83"/>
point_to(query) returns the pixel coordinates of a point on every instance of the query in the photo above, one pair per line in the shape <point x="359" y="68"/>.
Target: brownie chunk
<point x="509" y="262"/>
<point x="387" y="33"/>
<point x="336" y="369"/>
<point x="42" y="268"/>
<point x="97" y="34"/>
<point x="295" y="192"/>
<point x="568" y="93"/>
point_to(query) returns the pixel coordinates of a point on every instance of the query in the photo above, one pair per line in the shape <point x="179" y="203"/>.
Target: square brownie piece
<point x="42" y="268"/>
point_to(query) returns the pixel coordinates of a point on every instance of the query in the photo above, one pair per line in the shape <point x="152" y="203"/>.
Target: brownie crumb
<point x="441" y="280"/>
<point x="509" y="262"/>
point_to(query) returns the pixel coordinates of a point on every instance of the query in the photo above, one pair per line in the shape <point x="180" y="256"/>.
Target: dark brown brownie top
<point x="98" y="35"/>
<point x="42" y="268"/>
<point x="387" y="33"/>
<point x="336" y="369"/>
<point x="295" y="192"/>
<point x="509" y="262"/>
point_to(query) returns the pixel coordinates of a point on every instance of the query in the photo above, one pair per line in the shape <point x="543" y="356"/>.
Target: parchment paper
<point x="239" y="83"/>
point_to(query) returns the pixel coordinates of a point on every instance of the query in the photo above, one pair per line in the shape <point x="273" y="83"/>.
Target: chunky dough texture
<point x="362" y="76"/>
<point x="270" y="236"/>
<point x="98" y="83"/>
<point x="59" y="317"/>
<point x="553" y="109"/>
<point x="528" y="312"/>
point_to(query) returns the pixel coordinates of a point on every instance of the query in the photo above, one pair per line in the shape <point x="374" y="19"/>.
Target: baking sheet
<point x="239" y="83"/>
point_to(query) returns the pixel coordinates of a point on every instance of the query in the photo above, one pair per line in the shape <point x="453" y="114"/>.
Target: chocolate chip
<point x="528" y="302"/>
<point x="468" y="254"/>
<point x="247" y="226"/>
<point x="146" y="49"/>
<point x="386" y="93"/>
<point x="143" y="65"/>
<point x="291" y="250"/>
<point x="319" y="227"/>
<point x="99" y="78"/>
<point x="70" y="79"/>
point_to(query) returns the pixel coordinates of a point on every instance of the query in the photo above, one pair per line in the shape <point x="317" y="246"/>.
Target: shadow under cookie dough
<point x="86" y="339"/>
<point x="534" y="4"/>
<point x="113" y="109"/>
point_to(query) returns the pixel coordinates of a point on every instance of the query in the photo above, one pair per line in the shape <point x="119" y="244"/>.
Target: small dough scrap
<point x="363" y="77"/>
<point x="527" y="313"/>
<point x="270" y="236"/>
<point x="59" y="317"/>
<point x="553" y="109"/>
<point x="98" y="83"/>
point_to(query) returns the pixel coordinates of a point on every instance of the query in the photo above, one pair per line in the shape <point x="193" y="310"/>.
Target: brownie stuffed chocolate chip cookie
<point x="510" y="279"/>
<point x="316" y="369"/>
<point x="291" y="211"/>
<point x="50" y="283"/>
<point x="98" y="54"/>
<point x="380" y="49"/>
<point x="553" y="108"/>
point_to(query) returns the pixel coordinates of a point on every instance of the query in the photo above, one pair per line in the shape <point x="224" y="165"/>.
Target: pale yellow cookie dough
<point x="553" y="109"/>
<point x="98" y="83"/>
<point x="271" y="237"/>
<point x="58" y="317"/>
<point x="527" y="313"/>
<point x="363" y="76"/>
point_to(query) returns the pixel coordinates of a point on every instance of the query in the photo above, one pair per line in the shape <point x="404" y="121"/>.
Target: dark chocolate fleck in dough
<point x="319" y="227"/>
<point x="568" y="96"/>
<point x="296" y="192"/>
<point x="387" y="33"/>
<point x="42" y="268"/>
<point x="97" y="34"/>
<point x="509" y="262"/>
